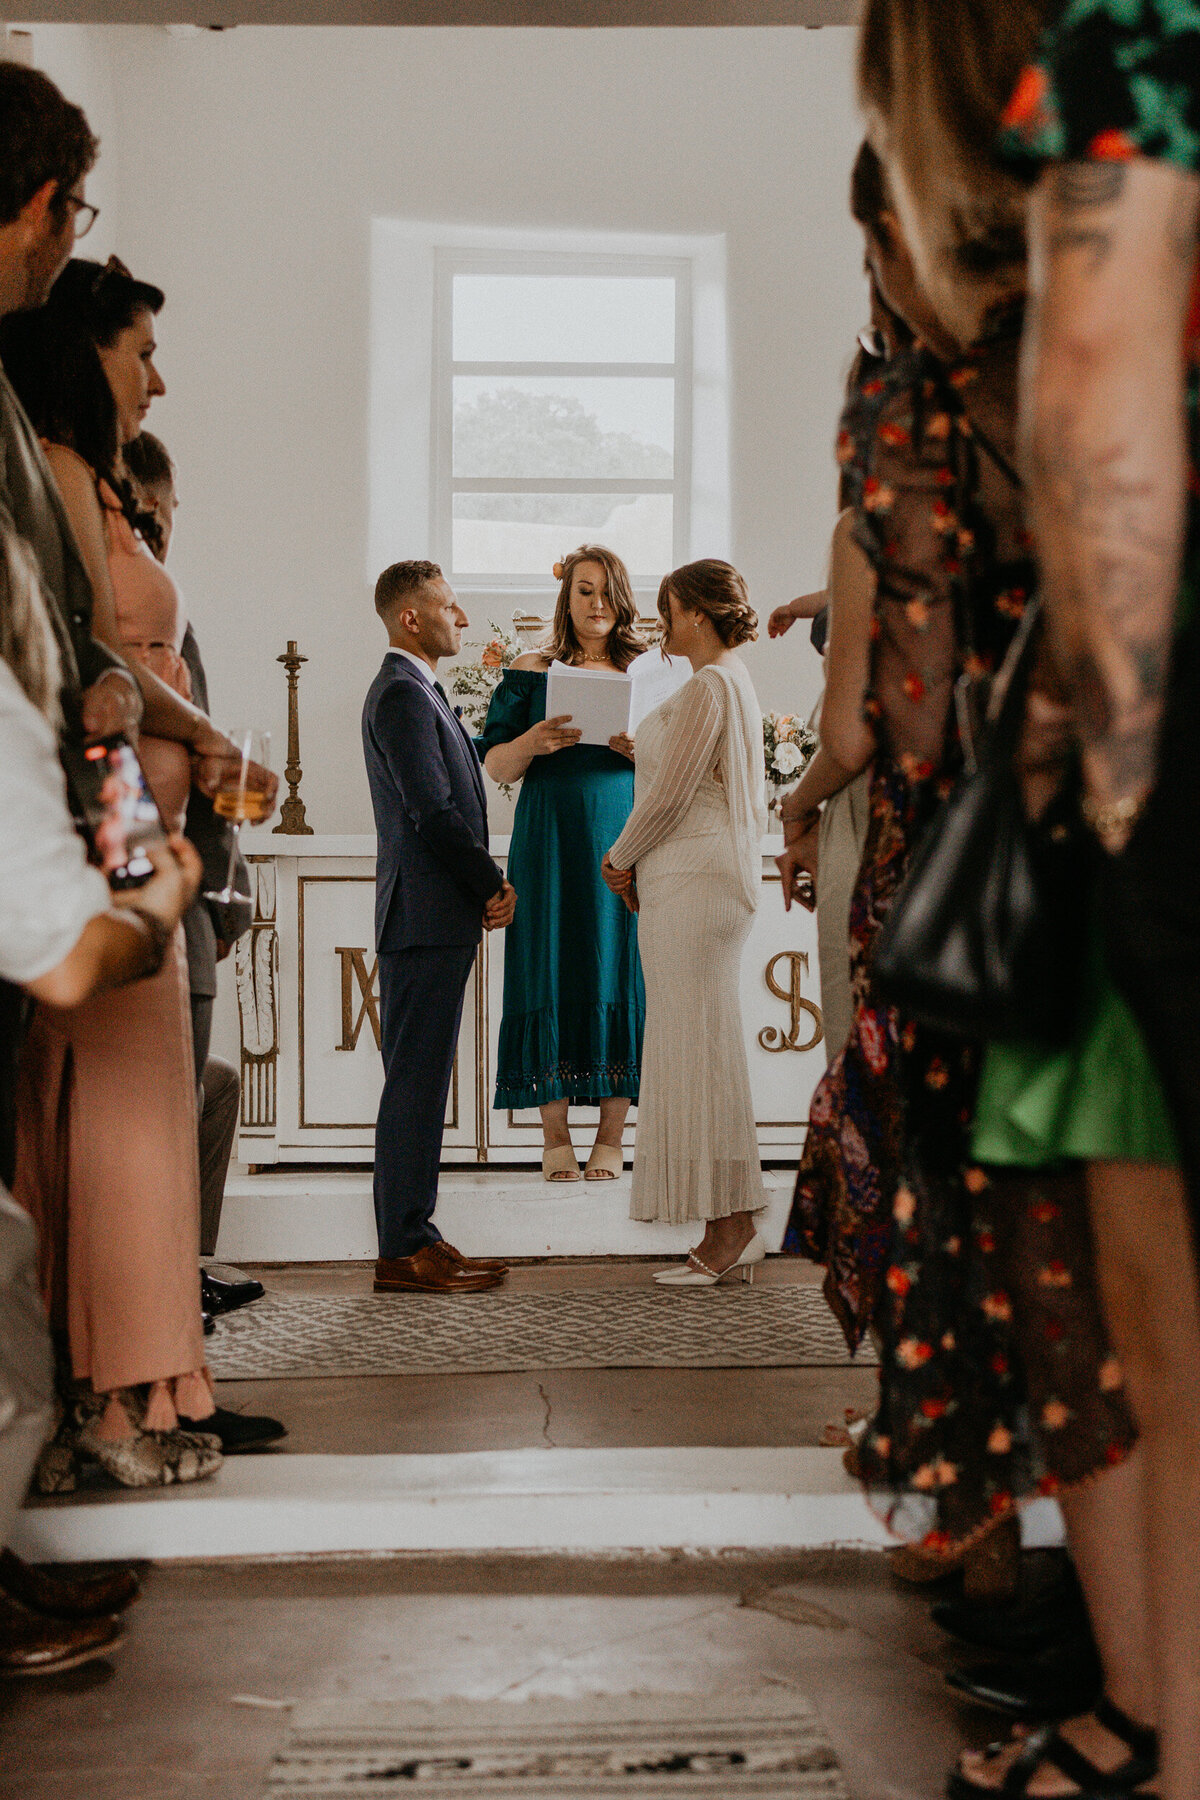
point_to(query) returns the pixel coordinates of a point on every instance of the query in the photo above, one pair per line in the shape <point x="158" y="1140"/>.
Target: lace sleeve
<point x="908" y="528"/>
<point x="689" y="751"/>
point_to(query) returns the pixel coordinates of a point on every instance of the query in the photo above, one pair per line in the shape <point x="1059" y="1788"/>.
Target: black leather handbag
<point x="986" y="936"/>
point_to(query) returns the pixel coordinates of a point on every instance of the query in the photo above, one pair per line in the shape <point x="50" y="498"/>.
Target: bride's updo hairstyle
<point x="716" y="590"/>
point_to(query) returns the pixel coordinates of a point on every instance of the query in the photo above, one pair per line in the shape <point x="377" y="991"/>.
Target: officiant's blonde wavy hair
<point x="625" y="640"/>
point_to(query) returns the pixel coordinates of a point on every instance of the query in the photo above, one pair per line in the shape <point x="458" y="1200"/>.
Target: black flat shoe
<point x="1048" y="1747"/>
<point x="1060" y="1683"/>
<point x="219" y="1297"/>
<point x="237" y="1431"/>
<point x="1021" y="1629"/>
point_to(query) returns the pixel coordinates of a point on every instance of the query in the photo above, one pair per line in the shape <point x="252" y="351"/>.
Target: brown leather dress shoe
<point x="64" y="1595"/>
<point x="427" y="1271"/>
<point x="494" y="1263"/>
<point x="33" y="1645"/>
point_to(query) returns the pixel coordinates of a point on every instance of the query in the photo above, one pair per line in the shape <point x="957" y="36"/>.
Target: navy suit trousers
<point x="420" y="1007"/>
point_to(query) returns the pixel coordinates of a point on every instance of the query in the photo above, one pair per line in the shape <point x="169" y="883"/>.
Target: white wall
<point x="78" y="58"/>
<point x="252" y="163"/>
<point x="250" y="166"/>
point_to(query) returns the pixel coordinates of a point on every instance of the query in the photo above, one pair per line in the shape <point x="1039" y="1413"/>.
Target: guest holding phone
<point x="63" y="938"/>
<point x="574" y="1004"/>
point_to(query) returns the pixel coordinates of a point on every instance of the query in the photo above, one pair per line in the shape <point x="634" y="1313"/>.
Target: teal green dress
<point x="574" y="1003"/>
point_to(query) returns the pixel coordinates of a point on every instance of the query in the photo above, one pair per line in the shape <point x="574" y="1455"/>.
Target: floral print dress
<point x="920" y="1244"/>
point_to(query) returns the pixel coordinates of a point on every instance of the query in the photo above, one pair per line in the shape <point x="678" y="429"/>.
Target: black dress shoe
<point x="1058" y="1684"/>
<point x="219" y="1297"/>
<point x="1021" y="1629"/>
<point x="67" y="1596"/>
<point x="31" y="1644"/>
<point x="238" y="1431"/>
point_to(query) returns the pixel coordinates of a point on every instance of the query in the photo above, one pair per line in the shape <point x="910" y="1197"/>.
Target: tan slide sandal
<point x="604" y="1164"/>
<point x="560" y="1164"/>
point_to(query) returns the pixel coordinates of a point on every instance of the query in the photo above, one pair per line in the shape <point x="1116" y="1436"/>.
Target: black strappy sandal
<point x="1048" y="1746"/>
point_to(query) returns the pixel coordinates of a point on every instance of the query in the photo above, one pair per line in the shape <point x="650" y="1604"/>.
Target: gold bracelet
<point x="1112" y="820"/>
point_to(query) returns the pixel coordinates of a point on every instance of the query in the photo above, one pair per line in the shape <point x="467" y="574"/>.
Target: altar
<point x="308" y="1002"/>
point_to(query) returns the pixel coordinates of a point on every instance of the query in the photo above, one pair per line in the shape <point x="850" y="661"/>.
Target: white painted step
<point x="289" y="1215"/>
<point x="550" y="1500"/>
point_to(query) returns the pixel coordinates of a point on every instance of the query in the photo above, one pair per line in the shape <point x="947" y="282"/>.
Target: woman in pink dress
<point x="107" y="1126"/>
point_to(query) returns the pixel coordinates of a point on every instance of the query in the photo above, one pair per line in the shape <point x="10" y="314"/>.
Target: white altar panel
<point x="308" y="995"/>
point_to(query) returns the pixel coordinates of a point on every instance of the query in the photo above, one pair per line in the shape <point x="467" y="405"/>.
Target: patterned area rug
<point x="298" y="1336"/>
<point x="772" y="1748"/>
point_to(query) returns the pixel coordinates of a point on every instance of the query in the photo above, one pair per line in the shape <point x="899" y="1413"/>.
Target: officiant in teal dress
<point x="574" y="1003"/>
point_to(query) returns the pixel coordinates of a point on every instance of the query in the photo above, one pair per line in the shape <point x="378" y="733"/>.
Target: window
<point x="562" y="412"/>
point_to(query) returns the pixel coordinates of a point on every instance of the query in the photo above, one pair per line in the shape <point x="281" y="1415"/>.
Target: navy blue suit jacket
<point x="433" y="872"/>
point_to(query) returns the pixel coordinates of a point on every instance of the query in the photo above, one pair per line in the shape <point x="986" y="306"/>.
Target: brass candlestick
<point x="292" y="822"/>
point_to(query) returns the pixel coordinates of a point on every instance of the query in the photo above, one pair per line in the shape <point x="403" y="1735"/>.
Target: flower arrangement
<point x="475" y="682"/>
<point x="789" y="745"/>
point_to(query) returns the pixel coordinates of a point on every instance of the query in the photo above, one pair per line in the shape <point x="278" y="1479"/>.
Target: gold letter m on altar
<point x="354" y="970"/>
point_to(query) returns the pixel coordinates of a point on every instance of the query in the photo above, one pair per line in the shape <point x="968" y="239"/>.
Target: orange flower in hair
<point x="557" y="571"/>
<point x="1027" y="106"/>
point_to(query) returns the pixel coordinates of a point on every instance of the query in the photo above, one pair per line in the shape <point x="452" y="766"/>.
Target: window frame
<point x="444" y="484"/>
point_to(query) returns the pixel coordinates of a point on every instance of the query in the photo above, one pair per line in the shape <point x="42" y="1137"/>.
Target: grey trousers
<point x="844" y="824"/>
<point x="26" y="1362"/>
<point x="220" y="1099"/>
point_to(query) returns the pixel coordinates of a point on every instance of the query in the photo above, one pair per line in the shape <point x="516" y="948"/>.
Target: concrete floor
<point x="166" y="1719"/>
<point x="563" y="1408"/>
<point x="163" y="1720"/>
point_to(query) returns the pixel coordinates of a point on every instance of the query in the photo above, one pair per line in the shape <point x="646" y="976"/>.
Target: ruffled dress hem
<point x="580" y="1053"/>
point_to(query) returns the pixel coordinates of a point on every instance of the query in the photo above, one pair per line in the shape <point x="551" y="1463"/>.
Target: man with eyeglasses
<point x="46" y="151"/>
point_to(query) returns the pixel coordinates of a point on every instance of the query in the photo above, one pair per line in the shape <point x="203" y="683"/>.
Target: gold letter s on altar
<point x="771" y="1037"/>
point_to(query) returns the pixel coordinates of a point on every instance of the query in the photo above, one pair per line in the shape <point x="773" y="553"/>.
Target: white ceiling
<point x="441" y="12"/>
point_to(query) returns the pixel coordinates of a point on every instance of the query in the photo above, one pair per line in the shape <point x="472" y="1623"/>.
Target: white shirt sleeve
<point x="48" y="889"/>
<point x="689" y="751"/>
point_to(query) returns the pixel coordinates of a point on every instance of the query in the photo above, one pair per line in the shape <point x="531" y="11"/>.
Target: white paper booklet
<point x="603" y="703"/>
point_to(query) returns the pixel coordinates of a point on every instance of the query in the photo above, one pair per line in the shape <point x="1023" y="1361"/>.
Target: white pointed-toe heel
<point x="694" y="1273"/>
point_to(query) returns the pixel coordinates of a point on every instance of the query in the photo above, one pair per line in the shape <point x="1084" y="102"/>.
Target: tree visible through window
<point x="563" y="413"/>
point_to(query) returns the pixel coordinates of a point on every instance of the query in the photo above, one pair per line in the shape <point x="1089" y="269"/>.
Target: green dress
<point x="1098" y="1099"/>
<point x="574" y="1003"/>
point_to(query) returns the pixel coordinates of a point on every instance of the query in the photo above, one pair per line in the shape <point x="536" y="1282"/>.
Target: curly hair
<point x="42" y="138"/>
<point x="625" y="641"/>
<point x="52" y="358"/>
<point x="715" y="589"/>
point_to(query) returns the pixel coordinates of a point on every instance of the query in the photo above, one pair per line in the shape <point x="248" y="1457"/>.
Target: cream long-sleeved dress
<point x="693" y="838"/>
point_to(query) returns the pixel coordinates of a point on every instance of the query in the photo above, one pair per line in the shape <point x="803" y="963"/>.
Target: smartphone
<point x="114" y="809"/>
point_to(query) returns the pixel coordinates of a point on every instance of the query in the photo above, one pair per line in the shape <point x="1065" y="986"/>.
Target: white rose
<point x="787" y="759"/>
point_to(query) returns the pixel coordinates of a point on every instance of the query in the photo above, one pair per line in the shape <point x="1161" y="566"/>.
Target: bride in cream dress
<point x="689" y="862"/>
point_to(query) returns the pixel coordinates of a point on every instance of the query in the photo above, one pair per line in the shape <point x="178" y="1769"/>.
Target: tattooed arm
<point x="1112" y="251"/>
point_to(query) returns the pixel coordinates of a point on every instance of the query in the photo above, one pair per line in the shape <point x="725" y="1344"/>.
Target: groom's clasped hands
<point x="500" y="908"/>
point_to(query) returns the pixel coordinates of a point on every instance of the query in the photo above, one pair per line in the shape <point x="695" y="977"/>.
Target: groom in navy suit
<point x="436" y="889"/>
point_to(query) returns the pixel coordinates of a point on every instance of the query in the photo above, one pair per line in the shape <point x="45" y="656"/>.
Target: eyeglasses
<point x="85" y="214"/>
